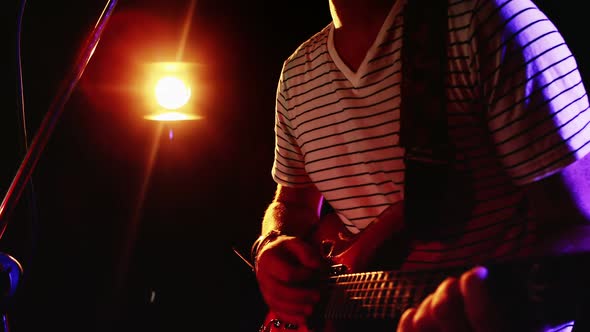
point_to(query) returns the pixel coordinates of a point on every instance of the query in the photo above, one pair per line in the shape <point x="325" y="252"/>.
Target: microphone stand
<point x="10" y="269"/>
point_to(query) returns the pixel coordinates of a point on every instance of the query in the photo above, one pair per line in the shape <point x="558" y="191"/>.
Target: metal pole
<point x="50" y="119"/>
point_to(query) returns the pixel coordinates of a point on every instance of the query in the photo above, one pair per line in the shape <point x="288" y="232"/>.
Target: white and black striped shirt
<point x="517" y="112"/>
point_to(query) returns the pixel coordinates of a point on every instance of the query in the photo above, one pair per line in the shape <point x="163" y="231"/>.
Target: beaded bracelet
<point x="261" y="241"/>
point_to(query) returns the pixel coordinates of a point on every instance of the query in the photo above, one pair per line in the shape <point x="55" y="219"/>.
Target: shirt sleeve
<point x="288" y="166"/>
<point x="537" y="108"/>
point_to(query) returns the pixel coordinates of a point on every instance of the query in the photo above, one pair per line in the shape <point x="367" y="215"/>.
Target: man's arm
<point x="288" y="269"/>
<point x="293" y="211"/>
<point x="562" y="204"/>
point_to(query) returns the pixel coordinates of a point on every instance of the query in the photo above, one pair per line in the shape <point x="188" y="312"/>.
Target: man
<point x="517" y="119"/>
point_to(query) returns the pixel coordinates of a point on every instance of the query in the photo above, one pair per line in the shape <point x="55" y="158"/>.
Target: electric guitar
<point x="361" y="297"/>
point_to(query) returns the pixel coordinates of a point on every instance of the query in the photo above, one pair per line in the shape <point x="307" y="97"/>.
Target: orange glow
<point x="172" y="92"/>
<point x="121" y="78"/>
<point x="172" y="116"/>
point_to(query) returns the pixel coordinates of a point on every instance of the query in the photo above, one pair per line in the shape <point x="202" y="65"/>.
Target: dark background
<point x="109" y="243"/>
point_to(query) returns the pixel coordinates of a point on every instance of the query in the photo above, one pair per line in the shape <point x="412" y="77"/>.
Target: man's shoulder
<point x="312" y="45"/>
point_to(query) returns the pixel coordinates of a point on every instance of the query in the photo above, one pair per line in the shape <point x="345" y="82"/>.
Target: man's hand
<point x="290" y="275"/>
<point x="458" y="305"/>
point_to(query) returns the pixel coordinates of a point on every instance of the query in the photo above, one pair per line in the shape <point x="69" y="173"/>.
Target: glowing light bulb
<point x="172" y="93"/>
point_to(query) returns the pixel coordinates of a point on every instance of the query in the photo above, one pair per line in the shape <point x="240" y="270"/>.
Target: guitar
<point x="362" y="297"/>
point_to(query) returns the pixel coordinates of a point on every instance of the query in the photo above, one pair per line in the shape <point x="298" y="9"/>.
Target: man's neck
<point x="357" y="24"/>
<point x="359" y="14"/>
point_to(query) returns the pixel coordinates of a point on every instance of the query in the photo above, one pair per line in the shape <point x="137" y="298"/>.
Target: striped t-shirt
<point x="517" y="112"/>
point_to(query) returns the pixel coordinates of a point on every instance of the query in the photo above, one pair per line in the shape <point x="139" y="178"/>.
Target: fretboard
<point x="537" y="288"/>
<point x="380" y="294"/>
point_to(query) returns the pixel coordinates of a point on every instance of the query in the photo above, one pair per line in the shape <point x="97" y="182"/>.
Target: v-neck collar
<point x="355" y="78"/>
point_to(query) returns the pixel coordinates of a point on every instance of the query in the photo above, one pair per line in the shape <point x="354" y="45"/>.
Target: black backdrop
<point x="99" y="255"/>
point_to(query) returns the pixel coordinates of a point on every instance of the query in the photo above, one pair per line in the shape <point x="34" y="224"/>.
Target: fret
<point x="391" y="284"/>
<point x="350" y="291"/>
<point x="397" y="304"/>
<point x="383" y="295"/>
<point x="373" y="295"/>
<point x="352" y="310"/>
<point x="357" y="309"/>
<point x="419" y="291"/>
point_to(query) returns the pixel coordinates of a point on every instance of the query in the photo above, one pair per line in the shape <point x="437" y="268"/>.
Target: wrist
<point x="261" y="242"/>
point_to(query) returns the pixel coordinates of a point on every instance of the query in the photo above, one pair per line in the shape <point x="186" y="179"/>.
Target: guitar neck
<point x="380" y="294"/>
<point x="548" y="288"/>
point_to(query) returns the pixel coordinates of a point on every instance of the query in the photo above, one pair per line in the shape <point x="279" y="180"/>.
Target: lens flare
<point x="172" y="93"/>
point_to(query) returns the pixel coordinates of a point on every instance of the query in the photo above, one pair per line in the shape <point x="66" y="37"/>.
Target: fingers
<point x="458" y="304"/>
<point x="406" y="322"/>
<point x="440" y="311"/>
<point x="479" y="308"/>
<point x="289" y="298"/>
<point x="305" y="254"/>
<point x="423" y="319"/>
<point x="290" y="274"/>
<point x="291" y="261"/>
<point x="448" y="307"/>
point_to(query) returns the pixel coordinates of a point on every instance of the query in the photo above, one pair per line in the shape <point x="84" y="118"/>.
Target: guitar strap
<point x="424" y="131"/>
<point x="424" y="128"/>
